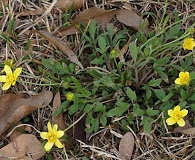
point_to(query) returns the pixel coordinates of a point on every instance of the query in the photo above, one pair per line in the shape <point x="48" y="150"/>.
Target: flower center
<point x="52" y="137"/>
<point x="177" y="115"/>
<point x="10" y="78"/>
<point x="185" y="80"/>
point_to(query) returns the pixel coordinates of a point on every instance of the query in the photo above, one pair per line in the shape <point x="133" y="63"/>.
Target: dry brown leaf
<point x="63" y="5"/>
<point x="99" y="15"/>
<point x="187" y="129"/>
<point x="24" y="147"/>
<point x="129" y="18"/>
<point x="20" y="107"/>
<point x="63" y="46"/>
<point x="59" y="119"/>
<point x="126" y="146"/>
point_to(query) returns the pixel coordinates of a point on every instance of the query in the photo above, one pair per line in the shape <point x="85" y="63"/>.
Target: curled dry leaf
<point x="59" y="119"/>
<point x="99" y="15"/>
<point x="63" y="5"/>
<point x="24" y="147"/>
<point x="69" y="4"/>
<point x="126" y="146"/>
<point x="17" y="108"/>
<point x="63" y="46"/>
<point x="129" y="18"/>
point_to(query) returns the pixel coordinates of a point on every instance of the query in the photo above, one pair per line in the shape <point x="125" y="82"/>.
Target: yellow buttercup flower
<point x="184" y="78"/>
<point x="52" y="136"/>
<point x="69" y="96"/>
<point x="10" y="78"/>
<point x="188" y="44"/>
<point x="176" y="116"/>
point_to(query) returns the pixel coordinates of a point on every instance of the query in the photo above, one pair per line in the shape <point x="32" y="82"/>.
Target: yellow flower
<point x="69" y="96"/>
<point x="188" y="44"/>
<point x="176" y="116"/>
<point x="10" y="78"/>
<point x="52" y="136"/>
<point x="184" y="78"/>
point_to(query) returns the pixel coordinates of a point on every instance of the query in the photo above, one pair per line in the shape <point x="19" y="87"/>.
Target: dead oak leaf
<point x="24" y="147"/>
<point x="18" y="108"/>
<point x="126" y="146"/>
<point x="101" y="16"/>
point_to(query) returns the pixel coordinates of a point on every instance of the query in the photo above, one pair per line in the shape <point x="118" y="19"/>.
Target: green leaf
<point x="133" y="50"/>
<point x="137" y="110"/>
<point x="103" y="120"/>
<point x="173" y="31"/>
<point x="192" y="106"/>
<point x="88" y="108"/>
<point x="192" y="75"/>
<point x="79" y="87"/>
<point x="95" y="124"/>
<point x="120" y="108"/>
<point x="151" y="112"/>
<point x="155" y="82"/>
<point x="148" y="93"/>
<point x="183" y="94"/>
<point x="102" y="43"/>
<point x="160" y="94"/>
<point x="146" y="122"/>
<point x="73" y="109"/>
<point x="131" y="94"/>
<point x="60" y="109"/>
<point x="167" y="97"/>
<point x="92" y="29"/>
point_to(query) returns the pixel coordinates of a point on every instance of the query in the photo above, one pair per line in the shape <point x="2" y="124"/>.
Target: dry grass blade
<point x="63" y="46"/>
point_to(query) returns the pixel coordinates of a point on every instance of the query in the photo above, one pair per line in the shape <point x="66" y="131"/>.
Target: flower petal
<point x="170" y="112"/>
<point x="178" y="81"/>
<point x="49" y="127"/>
<point x="59" y="144"/>
<point x="48" y="145"/>
<point x="170" y="121"/>
<point x="6" y="86"/>
<point x="176" y="109"/>
<point x="181" y="74"/>
<point x="17" y="72"/>
<point x="60" y="134"/>
<point x="55" y="127"/>
<point x="3" y="78"/>
<point x="187" y="74"/>
<point x="181" y="122"/>
<point x="44" y="135"/>
<point x="7" y="69"/>
<point x="184" y="112"/>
